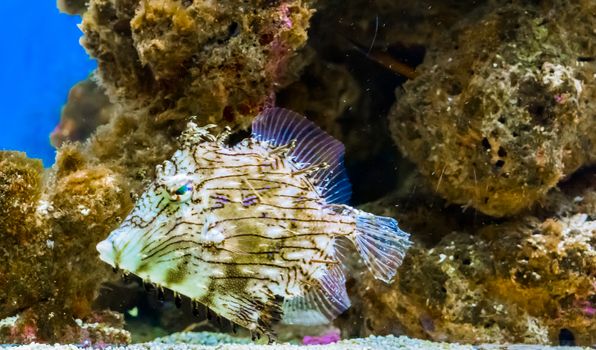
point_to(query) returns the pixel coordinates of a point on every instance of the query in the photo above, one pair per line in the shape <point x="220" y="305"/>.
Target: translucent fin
<point x="321" y="304"/>
<point x="247" y="310"/>
<point x="381" y="244"/>
<point x="344" y="249"/>
<point x="280" y="126"/>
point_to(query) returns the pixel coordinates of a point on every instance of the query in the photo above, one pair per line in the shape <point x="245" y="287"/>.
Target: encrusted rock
<point x="102" y="328"/>
<point x="180" y="58"/>
<point x="504" y="106"/>
<point x="87" y="108"/>
<point x="473" y="280"/>
<point x="48" y="232"/>
<point x="72" y="7"/>
<point x="20" y="189"/>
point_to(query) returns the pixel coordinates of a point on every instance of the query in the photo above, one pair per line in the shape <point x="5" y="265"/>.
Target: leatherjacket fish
<point x="255" y="231"/>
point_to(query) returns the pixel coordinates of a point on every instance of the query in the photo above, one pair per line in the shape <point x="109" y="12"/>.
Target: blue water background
<point x="41" y="60"/>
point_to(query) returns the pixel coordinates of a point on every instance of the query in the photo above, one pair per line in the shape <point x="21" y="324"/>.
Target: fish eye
<point x="182" y="190"/>
<point x="181" y="193"/>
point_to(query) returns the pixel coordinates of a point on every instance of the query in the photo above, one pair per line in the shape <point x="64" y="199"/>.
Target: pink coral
<point x="587" y="308"/>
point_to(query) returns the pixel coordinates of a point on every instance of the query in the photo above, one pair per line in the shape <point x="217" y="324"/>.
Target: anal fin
<point x="321" y="304"/>
<point x="256" y="314"/>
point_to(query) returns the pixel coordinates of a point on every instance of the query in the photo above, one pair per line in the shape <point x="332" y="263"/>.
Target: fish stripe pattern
<point x="252" y="230"/>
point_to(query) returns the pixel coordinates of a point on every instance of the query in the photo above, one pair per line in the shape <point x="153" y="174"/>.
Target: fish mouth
<point x="107" y="252"/>
<point x="121" y="249"/>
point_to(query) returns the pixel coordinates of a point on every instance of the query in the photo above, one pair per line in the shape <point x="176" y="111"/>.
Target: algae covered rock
<point x="181" y="58"/>
<point x="504" y="107"/>
<point x="103" y="328"/>
<point x="87" y="108"/>
<point x="48" y="232"/>
<point x="529" y="279"/>
<point x="20" y="189"/>
<point x="72" y="7"/>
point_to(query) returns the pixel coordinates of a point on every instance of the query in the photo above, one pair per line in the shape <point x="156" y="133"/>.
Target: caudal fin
<point x="381" y="244"/>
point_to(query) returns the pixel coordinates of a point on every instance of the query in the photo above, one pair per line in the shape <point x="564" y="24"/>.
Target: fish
<point x="258" y="231"/>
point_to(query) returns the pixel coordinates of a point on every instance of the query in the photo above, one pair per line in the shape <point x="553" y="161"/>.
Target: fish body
<point x="254" y="231"/>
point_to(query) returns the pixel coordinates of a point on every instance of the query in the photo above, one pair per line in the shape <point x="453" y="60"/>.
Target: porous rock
<point x="472" y="279"/>
<point x="181" y="58"/>
<point x="504" y="105"/>
<point x="50" y="224"/>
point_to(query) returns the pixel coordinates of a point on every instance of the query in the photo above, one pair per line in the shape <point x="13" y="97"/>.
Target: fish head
<point x="169" y="200"/>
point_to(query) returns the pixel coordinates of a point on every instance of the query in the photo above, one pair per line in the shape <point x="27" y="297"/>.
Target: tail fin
<point x="381" y="244"/>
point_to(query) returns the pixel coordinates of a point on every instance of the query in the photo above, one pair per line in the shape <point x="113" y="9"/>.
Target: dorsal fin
<point x="279" y="127"/>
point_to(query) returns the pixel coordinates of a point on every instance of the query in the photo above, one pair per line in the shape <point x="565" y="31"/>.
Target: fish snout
<point x="107" y="252"/>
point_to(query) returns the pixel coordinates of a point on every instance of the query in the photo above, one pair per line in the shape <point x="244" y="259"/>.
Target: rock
<point x="180" y="58"/>
<point x="87" y="108"/>
<point x="503" y="106"/>
<point x="72" y="7"/>
<point x="476" y="280"/>
<point x="48" y="232"/>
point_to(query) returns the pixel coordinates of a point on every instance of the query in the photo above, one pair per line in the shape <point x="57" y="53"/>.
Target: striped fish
<point x="255" y="231"/>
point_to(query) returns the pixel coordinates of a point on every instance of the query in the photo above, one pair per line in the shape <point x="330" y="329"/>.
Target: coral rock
<point x="86" y="109"/>
<point x="181" y="58"/>
<point x="20" y="189"/>
<point x="504" y="108"/>
<point x="72" y="7"/>
<point x="24" y="329"/>
<point x="48" y="231"/>
<point x="526" y="279"/>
